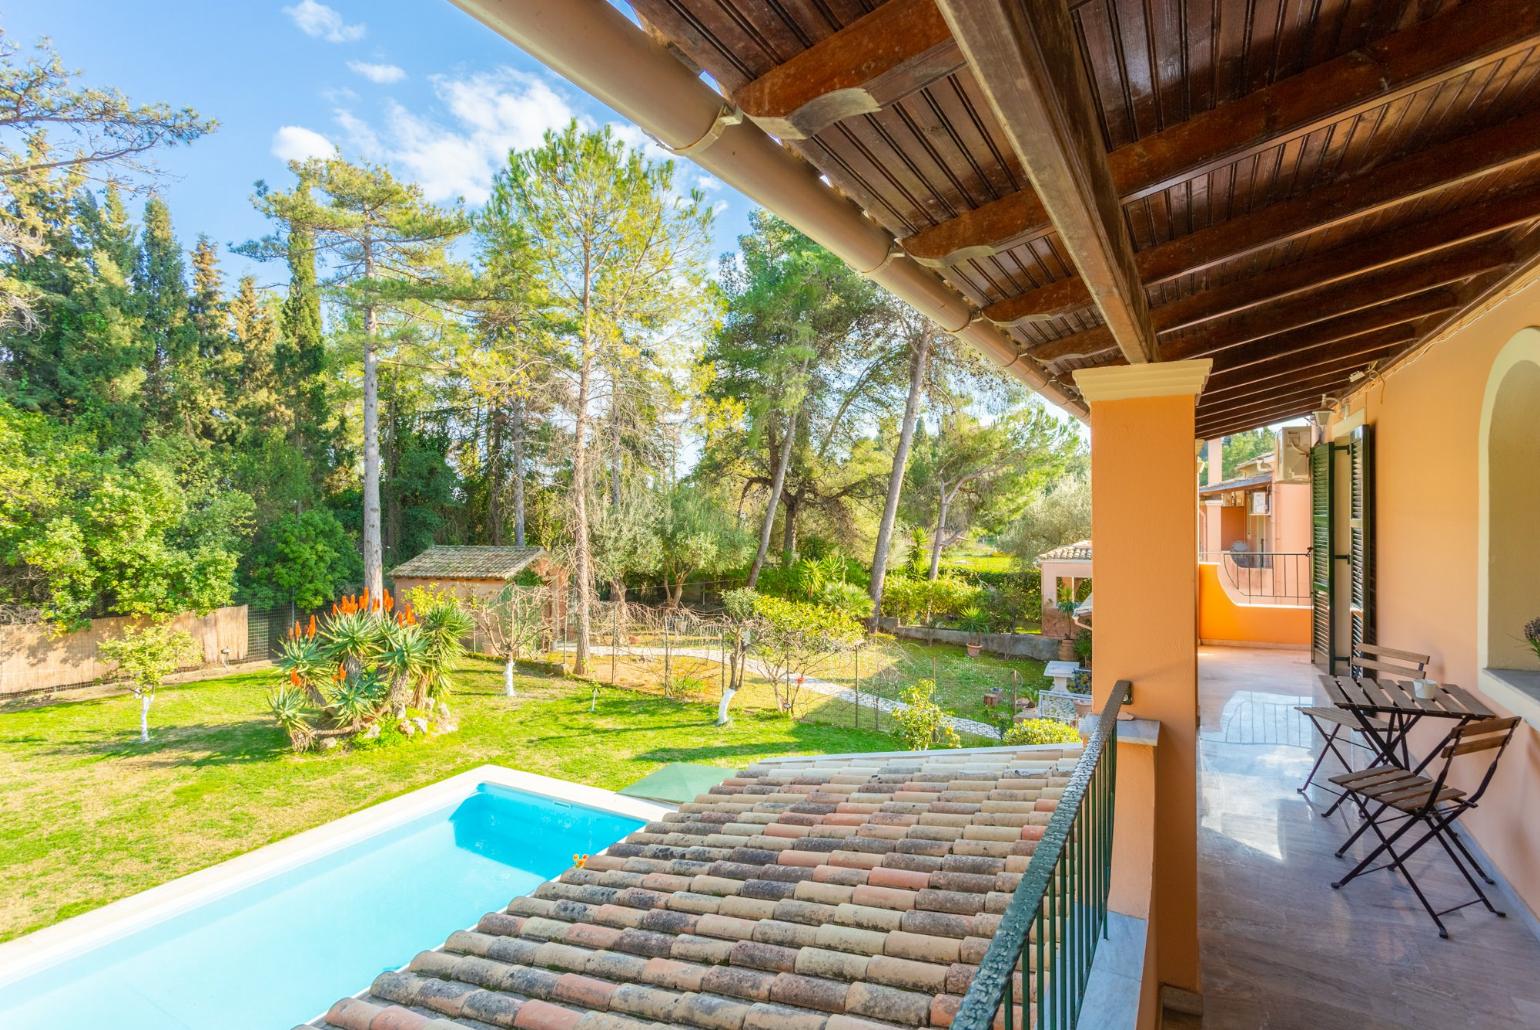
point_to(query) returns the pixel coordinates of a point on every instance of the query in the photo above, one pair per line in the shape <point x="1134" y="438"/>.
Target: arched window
<point x="1510" y="574"/>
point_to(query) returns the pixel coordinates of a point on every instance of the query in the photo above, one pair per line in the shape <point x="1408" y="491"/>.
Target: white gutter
<point x="593" y="45"/>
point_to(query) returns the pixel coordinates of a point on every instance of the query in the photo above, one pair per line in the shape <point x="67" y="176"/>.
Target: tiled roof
<point x="443" y="561"/>
<point x="1080" y="550"/>
<point x="836" y="893"/>
<point x="1237" y="484"/>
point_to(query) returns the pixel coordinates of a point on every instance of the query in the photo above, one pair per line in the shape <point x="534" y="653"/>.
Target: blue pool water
<point x="280" y="951"/>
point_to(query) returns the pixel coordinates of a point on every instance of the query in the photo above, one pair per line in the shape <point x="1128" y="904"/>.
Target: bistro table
<point x="1388" y="710"/>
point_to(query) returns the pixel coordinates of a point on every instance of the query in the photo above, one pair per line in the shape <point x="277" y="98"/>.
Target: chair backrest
<point x="1489" y="736"/>
<point x="1387" y="662"/>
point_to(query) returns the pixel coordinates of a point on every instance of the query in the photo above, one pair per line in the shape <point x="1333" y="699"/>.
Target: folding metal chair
<point x="1388" y="661"/>
<point x="1414" y="800"/>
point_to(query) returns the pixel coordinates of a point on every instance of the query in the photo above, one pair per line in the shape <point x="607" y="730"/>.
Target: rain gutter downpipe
<point x="597" y="48"/>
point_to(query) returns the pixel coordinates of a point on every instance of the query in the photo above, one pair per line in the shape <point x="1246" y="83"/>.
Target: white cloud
<point x="489" y="114"/>
<point x="380" y="74"/>
<point x="322" y="22"/>
<point x="296" y="143"/>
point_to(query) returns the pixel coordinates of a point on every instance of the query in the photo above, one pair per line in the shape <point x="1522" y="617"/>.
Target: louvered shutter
<point x="1361" y="533"/>
<point x="1320" y="555"/>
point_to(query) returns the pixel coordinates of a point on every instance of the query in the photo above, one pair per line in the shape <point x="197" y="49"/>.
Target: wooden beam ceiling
<point x="1392" y="67"/>
<point x="1026" y="60"/>
<point x="1377" y="290"/>
<point x="1266" y="363"/>
<point x="1378" y="345"/>
<point x="1435" y="168"/>
<point x="876" y="60"/>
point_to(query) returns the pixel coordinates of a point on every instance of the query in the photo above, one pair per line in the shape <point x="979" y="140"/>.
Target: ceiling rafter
<point x="1026" y="60"/>
<point x="878" y="59"/>
<point x="1389" y="68"/>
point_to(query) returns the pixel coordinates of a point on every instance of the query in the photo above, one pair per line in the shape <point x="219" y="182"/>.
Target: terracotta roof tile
<point x="837" y="893"/>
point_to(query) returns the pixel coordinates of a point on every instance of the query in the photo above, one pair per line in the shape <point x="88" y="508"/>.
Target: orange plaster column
<point x="1145" y="576"/>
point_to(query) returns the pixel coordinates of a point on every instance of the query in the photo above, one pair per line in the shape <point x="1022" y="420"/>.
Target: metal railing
<point x="1266" y="577"/>
<point x="1037" y="966"/>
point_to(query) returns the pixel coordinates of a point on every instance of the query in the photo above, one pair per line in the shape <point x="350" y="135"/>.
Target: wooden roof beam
<point x="878" y="59"/>
<point x="1391" y="67"/>
<point x="1303" y="371"/>
<point x="1224" y="423"/>
<point x="1026" y="60"/>
<point x="1374" y="296"/>
<point x="1267" y="364"/>
<point x="1459" y="160"/>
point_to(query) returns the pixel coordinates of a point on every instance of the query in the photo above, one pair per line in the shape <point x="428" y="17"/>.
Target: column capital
<point x="1152" y="379"/>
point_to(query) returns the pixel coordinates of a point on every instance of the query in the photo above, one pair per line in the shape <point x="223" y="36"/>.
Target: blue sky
<point x="414" y="84"/>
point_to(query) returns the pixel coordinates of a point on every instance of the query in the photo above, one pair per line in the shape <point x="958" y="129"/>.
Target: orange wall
<point x="1144" y="522"/>
<point x="1427" y="425"/>
<point x="1221" y="620"/>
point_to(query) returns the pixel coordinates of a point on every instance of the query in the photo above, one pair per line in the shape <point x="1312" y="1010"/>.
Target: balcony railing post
<point x="1058" y="913"/>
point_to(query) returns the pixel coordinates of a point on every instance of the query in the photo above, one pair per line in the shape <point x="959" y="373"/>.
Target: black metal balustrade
<point x="1037" y="966"/>
<point x="1267" y="577"/>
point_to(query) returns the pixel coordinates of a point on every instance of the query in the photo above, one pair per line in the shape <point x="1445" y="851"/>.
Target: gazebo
<point x="1071" y="562"/>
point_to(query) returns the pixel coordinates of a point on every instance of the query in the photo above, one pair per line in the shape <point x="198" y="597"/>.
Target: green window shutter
<point x="1361" y="532"/>
<point x="1321" y="642"/>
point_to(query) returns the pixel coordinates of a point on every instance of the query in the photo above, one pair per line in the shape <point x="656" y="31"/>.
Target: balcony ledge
<point x="1517" y="690"/>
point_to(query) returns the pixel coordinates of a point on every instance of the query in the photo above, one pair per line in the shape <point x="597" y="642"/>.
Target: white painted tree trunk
<point x="144" y="716"/>
<point x="508" y="678"/>
<point x="727" y="699"/>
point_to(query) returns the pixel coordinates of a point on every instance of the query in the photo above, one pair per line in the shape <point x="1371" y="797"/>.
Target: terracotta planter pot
<point x="974" y="649"/>
<point x="1066" y="650"/>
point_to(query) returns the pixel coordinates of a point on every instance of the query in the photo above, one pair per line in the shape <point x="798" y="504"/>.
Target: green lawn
<point x="91" y="815"/>
<point x="893" y="664"/>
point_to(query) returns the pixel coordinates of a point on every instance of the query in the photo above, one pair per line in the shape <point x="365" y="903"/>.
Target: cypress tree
<point x="160" y="292"/>
<point x="300" y="356"/>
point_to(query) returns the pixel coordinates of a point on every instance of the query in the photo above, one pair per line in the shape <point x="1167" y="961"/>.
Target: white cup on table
<point x="1425" y="689"/>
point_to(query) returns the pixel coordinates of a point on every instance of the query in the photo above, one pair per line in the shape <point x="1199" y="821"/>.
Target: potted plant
<point x="1083" y="648"/>
<point x="1067" y="642"/>
<point x="1532" y="634"/>
<point x="975" y="623"/>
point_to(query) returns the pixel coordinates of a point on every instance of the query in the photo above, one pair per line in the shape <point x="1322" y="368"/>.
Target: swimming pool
<point x="295" y="929"/>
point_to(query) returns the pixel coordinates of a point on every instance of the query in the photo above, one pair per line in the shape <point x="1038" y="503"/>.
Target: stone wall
<point x="1006" y="645"/>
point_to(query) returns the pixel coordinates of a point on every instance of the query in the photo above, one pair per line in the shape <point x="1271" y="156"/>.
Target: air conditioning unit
<point x="1294" y="454"/>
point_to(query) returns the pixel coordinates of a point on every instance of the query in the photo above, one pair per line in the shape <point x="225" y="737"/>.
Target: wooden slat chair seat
<point x="1388" y="662"/>
<point x="1404" y="790"/>
<point x="1388" y="796"/>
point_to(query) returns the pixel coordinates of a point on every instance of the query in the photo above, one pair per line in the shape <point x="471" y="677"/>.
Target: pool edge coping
<point x="37" y="951"/>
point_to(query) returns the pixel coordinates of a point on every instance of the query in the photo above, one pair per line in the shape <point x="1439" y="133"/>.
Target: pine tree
<point x="300" y="358"/>
<point x="160" y="293"/>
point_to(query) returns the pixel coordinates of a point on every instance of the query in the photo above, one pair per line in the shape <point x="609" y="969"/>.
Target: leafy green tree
<point x="385" y="247"/>
<point x="695" y="538"/>
<point x="794" y="638"/>
<point x="1242" y="447"/>
<point x="1059" y="514"/>
<point x="921" y="722"/>
<point x="621" y="256"/>
<point x="625" y="541"/>
<point x="971" y="473"/>
<point x="306" y="559"/>
<point x="160" y="293"/>
<point x="798" y="338"/>
<point x="145" y="656"/>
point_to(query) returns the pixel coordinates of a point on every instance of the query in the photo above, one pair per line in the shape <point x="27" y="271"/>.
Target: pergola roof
<point x="1080" y="550"/>
<point x="1292" y="189"/>
<point x="466" y="561"/>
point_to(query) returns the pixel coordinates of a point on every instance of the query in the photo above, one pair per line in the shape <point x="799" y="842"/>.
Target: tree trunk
<point x="518" y="473"/>
<point x="582" y="560"/>
<point x="508" y="678"/>
<point x="144" y="716"/>
<point x="374" y="560"/>
<point x="896" y="477"/>
<point x="944" y="502"/>
<point x="789" y="532"/>
<point x="495" y="474"/>
<point x="777" y="482"/>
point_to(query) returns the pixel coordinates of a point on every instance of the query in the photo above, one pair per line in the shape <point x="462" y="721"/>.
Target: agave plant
<point x="404" y="659"/>
<point x="357" y="699"/>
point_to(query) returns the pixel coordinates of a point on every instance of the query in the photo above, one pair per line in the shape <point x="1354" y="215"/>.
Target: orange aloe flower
<point x="294" y="677"/>
<point x="389" y="602"/>
<point x="310" y="630"/>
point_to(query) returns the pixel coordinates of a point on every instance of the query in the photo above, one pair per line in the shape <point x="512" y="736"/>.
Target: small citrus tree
<point x="921" y="722"/>
<point x="793" y="638"/>
<point x="146" y="655"/>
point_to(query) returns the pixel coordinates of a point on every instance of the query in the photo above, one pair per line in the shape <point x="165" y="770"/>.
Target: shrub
<point x="794" y="637"/>
<point x="368" y="664"/>
<point x="923" y="724"/>
<point x="1083" y="647"/>
<point x="909" y="598"/>
<point x="1532" y="634"/>
<point x="1042" y="731"/>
